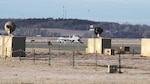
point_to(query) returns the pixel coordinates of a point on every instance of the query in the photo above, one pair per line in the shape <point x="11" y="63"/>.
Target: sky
<point x="120" y="11"/>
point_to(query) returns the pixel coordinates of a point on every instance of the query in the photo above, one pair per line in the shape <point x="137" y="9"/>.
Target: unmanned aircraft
<point x="72" y="39"/>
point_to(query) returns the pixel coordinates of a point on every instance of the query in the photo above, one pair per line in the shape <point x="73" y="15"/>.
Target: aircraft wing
<point x="80" y="41"/>
<point x="62" y="39"/>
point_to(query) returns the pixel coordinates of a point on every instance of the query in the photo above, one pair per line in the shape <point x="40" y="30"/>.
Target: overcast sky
<point x="121" y="11"/>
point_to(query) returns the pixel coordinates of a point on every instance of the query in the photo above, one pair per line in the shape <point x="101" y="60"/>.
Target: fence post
<point x="6" y="54"/>
<point x="59" y="47"/>
<point x="20" y="55"/>
<point x="119" y="60"/>
<point x="33" y="51"/>
<point x="49" y="56"/>
<point x="49" y="44"/>
<point x="96" y="61"/>
<point x="133" y="53"/>
<point x="73" y="59"/>
<point x="34" y="56"/>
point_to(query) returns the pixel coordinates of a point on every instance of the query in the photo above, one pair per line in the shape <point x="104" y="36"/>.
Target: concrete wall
<point x="145" y="47"/>
<point x="9" y="45"/>
<point x="97" y="44"/>
<point x="6" y="46"/>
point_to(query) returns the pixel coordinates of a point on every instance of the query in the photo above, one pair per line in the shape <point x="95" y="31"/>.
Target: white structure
<point x="98" y="45"/>
<point x="145" y="47"/>
<point x="11" y="46"/>
<point x="6" y="46"/>
<point x="108" y="51"/>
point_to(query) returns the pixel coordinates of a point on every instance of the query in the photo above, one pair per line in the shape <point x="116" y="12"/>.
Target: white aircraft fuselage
<point x="72" y="39"/>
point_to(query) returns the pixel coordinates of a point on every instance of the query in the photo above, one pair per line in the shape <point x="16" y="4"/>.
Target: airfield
<point x="84" y="69"/>
<point x="41" y="42"/>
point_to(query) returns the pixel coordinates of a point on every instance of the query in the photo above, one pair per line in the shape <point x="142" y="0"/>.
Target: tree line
<point x="39" y="26"/>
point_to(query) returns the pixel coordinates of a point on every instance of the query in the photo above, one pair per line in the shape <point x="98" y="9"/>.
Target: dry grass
<point x="136" y="70"/>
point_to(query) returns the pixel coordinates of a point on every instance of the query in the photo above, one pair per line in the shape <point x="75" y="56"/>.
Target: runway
<point x="68" y="46"/>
